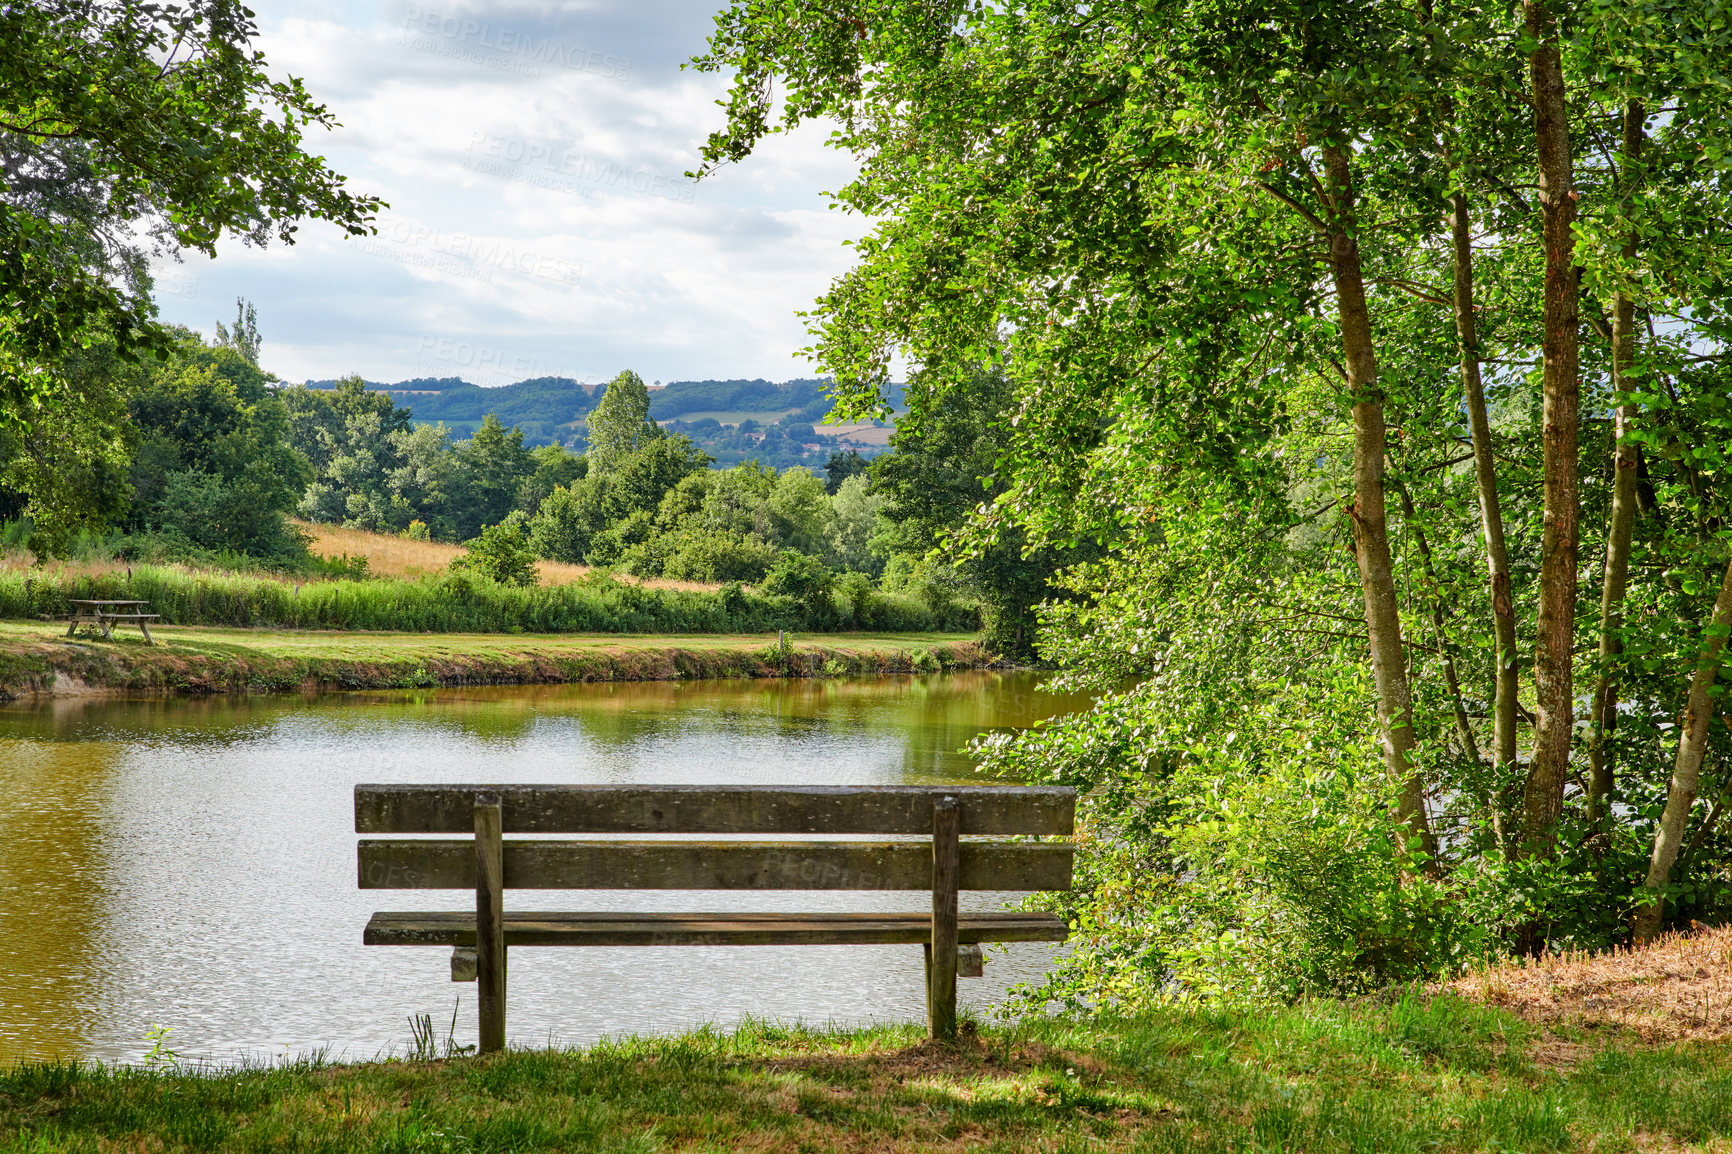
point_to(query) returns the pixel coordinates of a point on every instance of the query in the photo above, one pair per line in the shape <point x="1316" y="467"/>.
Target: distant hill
<point x="550" y="410"/>
<point x="547" y="409"/>
<point x="679" y="398"/>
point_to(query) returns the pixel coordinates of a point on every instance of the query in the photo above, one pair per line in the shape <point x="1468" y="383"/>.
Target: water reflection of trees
<point x="932" y="716"/>
<point x="53" y="885"/>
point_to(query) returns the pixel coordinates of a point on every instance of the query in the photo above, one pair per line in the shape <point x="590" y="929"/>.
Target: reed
<point x="450" y="603"/>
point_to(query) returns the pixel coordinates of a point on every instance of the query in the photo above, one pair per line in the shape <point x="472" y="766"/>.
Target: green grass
<point x="351" y="645"/>
<point x="1422" y="1075"/>
<point x="34" y="655"/>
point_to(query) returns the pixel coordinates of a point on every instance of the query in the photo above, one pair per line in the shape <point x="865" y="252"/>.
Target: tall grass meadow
<point x="454" y="603"/>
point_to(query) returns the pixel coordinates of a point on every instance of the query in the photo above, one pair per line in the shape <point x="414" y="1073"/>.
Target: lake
<point x="190" y="863"/>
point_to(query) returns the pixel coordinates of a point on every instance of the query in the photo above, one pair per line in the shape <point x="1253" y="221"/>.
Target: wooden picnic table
<point x="102" y="614"/>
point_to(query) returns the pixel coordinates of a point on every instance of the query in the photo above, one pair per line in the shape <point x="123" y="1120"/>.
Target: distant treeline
<point x="550" y="410"/>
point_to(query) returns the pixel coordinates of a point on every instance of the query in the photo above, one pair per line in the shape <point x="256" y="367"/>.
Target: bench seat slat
<point x="613" y="928"/>
<point x="880" y="809"/>
<point x="698" y="865"/>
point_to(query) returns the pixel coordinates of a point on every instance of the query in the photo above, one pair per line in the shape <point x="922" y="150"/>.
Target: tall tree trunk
<point x="1370" y="527"/>
<point x="1543" y="797"/>
<point x="1490" y="515"/>
<point x="1687" y="769"/>
<point x="1616" y="576"/>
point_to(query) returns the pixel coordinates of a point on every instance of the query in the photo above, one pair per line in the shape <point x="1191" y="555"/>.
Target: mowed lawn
<point x="379" y="646"/>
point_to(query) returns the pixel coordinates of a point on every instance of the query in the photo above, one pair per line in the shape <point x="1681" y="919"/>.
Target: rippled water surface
<point x="192" y="863"/>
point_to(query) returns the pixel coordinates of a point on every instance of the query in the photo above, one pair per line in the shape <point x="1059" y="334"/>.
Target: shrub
<point x="699" y="556"/>
<point x="807" y="582"/>
<point x="1262" y="866"/>
<point x="500" y="554"/>
<point x="853" y="598"/>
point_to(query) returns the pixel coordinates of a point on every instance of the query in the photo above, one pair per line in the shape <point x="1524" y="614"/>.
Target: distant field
<point x="865" y="434"/>
<point x="386" y="557"/>
<point x="734" y="416"/>
<point x="400" y="557"/>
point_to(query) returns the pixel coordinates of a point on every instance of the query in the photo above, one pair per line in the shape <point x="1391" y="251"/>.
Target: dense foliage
<point x="1345" y="337"/>
<point x="128" y="129"/>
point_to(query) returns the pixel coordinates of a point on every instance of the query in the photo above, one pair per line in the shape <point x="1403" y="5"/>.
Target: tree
<point x="621" y="424"/>
<point x="1260" y="282"/>
<point x="354" y="438"/>
<point x="488" y="472"/>
<point x="841" y="466"/>
<point x="860" y="516"/>
<point x="130" y="124"/>
<point x="213" y="466"/>
<point x="244" y="337"/>
<point x="944" y="466"/>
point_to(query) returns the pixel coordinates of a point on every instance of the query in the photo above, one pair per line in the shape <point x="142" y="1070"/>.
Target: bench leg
<point x="489" y="923"/>
<point x="941" y="954"/>
<point x="145" y="625"/>
<point x="106" y="635"/>
<point x="72" y="627"/>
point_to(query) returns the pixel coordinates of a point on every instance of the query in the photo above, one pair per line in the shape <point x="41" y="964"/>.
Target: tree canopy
<point x="130" y="130"/>
<point x="1343" y="335"/>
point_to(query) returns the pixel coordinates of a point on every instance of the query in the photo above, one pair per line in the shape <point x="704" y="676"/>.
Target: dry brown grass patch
<point x="1676" y="988"/>
<point x="389" y="556"/>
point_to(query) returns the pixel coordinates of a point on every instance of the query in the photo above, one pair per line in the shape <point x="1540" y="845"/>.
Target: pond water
<point x="191" y="863"/>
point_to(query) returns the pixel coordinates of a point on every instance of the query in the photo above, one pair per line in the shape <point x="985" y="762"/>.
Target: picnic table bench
<point x="102" y="614"/>
<point x="928" y="824"/>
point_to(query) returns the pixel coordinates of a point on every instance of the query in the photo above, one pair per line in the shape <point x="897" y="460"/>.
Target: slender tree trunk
<point x="1463" y="727"/>
<point x="1687" y="769"/>
<point x="1616" y="576"/>
<point x="1370" y="527"/>
<point x="1554" y="716"/>
<point x="1706" y="829"/>
<point x="1490" y="516"/>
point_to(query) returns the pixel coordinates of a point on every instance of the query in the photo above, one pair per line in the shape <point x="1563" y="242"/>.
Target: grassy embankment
<point x="36" y="658"/>
<point x="1626" y="1054"/>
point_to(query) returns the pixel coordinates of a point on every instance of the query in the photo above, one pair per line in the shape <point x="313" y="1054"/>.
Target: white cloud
<point x="540" y="221"/>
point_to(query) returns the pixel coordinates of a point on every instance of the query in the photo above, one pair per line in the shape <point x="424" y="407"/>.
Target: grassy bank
<point x="1420" y="1074"/>
<point x="36" y="658"/>
<point x="455" y="603"/>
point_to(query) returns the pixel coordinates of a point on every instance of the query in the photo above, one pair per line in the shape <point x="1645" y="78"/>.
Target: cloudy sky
<point x="539" y="221"/>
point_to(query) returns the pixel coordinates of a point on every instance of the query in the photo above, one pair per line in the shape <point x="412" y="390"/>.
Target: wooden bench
<point x="102" y="614"/>
<point x="928" y="823"/>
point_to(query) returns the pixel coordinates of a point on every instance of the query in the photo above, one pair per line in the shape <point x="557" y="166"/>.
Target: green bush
<point x="807" y="581"/>
<point x="500" y="554"/>
<point x="1264" y="866"/>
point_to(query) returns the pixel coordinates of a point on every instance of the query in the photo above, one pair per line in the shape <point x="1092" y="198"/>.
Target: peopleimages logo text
<point x="513" y="42"/>
<point x="547" y="165"/>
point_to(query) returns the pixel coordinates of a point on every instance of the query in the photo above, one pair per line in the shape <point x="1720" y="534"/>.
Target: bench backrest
<point x="820" y="862"/>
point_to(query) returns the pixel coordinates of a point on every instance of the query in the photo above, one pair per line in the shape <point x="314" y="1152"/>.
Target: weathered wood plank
<point x="616" y="928"/>
<point x="941" y="971"/>
<point x="695" y="865"/>
<point x="489" y="867"/>
<point x="715" y="809"/>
